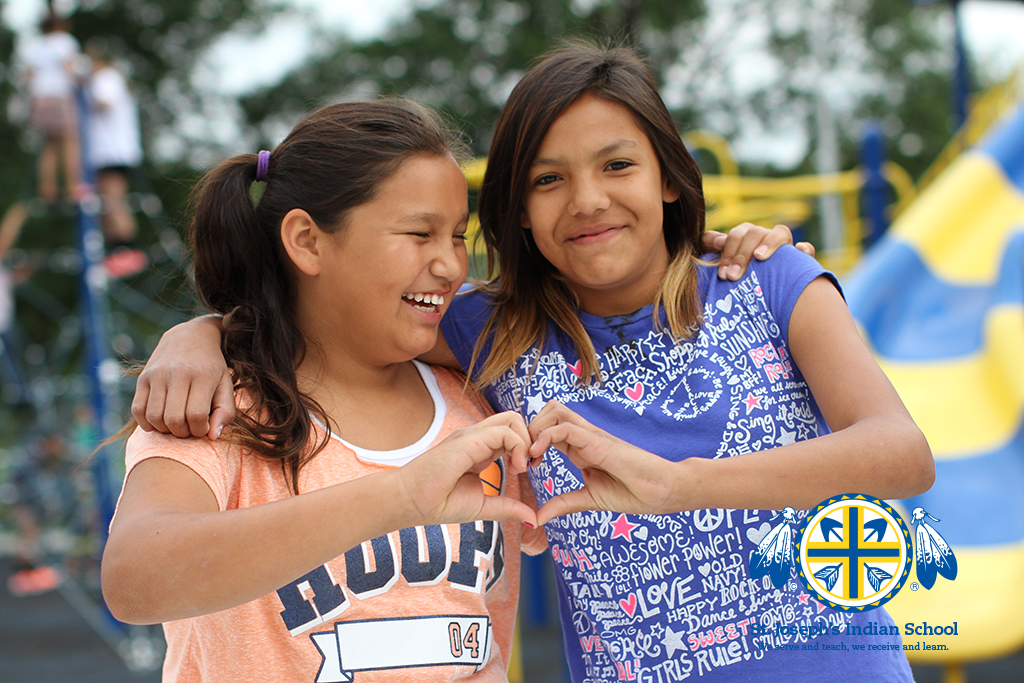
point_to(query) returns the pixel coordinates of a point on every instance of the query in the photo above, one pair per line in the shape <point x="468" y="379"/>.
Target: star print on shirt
<point x="623" y="527"/>
<point x="786" y="437"/>
<point x="752" y="402"/>
<point x="672" y="642"/>
<point x="534" y="404"/>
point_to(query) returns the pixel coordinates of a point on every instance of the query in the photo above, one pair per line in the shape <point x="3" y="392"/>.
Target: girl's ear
<point x="524" y="220"/>
<point x="669" y="193"/>
<point x="301" y="236"/>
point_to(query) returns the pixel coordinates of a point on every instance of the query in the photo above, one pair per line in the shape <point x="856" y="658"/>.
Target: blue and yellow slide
<point x="941" y="302"/>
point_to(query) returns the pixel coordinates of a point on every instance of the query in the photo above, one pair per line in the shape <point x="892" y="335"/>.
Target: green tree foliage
<point x="889" y="60"/>
<point x="464" y="56"/>
<point x="16" y="158"/>
<point x="732" y="66"/>
<point x="161" y="42"/>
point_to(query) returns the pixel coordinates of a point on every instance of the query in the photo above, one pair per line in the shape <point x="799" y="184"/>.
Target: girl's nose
<point x="587" y="197"/>
<point x="449" y="262"/>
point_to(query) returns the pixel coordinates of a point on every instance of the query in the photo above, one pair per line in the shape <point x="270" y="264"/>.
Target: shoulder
<point x="143" y="444"/>
<point x="789" y="262"/>
<point x="783" y="277"/>
<point x="216" y="462"/>
<point x="466" y="318"/>
<point x="472" y="299"/>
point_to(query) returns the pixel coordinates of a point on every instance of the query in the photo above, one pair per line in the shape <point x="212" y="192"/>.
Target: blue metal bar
<point x="100" y="368"/>
<point x="875" y="191"/>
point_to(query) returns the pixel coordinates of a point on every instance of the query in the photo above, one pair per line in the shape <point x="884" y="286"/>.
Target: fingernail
<point x="734" y="272"/>
<point x="219" y="430"/>
<point x="721" y="273"/>
<point x="761" y="251"/>
<point x="529" y="525"/>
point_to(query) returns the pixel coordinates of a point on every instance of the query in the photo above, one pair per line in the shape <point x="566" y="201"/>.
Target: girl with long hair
<point x="338" y="527"/>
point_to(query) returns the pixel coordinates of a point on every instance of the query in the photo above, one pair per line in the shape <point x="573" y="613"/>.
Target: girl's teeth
<point x="429" y="299"/>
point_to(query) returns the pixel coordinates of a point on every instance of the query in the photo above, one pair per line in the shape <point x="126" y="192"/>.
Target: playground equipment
<point x="68" y="376"/>
<point x="941" y="300"/>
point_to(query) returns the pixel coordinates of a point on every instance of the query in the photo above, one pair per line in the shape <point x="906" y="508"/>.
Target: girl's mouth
<point x="595" y="235"/>
<point x="428" y="303"/>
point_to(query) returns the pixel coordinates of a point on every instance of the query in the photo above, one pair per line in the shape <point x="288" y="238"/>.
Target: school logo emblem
<point x="854" y="552"/>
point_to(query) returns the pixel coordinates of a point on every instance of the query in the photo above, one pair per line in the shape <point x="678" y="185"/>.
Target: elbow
<point x="123" y="592"/>
<point x="918" y="471"/>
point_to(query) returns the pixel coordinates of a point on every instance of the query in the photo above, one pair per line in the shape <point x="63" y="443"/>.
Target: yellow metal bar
<point x="718" y="146"/>
<point x="805" y="186"/>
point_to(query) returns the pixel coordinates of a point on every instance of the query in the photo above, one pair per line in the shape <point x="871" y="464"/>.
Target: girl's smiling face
<point x="391" y="271"/>
<point x="594" y="206"/>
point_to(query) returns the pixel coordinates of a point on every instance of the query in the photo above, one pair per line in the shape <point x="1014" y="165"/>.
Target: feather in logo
<point x="933" y="555"/>
<point x="774" y="554"/>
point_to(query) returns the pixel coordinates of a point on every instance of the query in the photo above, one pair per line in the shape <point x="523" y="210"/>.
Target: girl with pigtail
<point x="338" y="526"/>
<point x="674" y="410"/>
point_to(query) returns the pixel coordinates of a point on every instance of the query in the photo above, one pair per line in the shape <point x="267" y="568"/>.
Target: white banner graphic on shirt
<point x="401" y="643"/>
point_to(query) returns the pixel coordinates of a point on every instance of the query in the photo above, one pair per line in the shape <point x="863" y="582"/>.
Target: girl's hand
<point x="186" y="389"/>
<point x="444" y="486"/>
<point x="617" y="476"/>
<point x="747" y="241"/>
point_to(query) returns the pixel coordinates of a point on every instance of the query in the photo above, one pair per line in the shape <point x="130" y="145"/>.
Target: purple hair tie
<point x="262" y="164"/>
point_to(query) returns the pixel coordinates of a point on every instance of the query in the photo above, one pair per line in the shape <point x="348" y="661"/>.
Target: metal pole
<point x="826" y="154"/>
<point x="101" y="370"/>
<point x="875" y="188"/>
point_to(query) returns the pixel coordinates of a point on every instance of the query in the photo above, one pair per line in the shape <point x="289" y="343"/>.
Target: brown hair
<point x="529" y="291"/>
<point x="334" y="160"/>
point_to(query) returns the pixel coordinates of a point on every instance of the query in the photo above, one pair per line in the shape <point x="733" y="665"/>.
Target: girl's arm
<point x="172" y="554"/>
<point x="874" y="448"/>
<point x="185" y="388"/>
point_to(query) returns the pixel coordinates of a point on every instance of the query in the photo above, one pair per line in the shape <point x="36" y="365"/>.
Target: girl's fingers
<point x="504" y="509"/>
<point x="223" y="412"/>
<point x="573" y="501"/>
<point x="554" y="413"/>
<point x="806" y="247"/>
<point x="777" y="237"/>
<point x="140" y="404"/>
<point x="490" y="442"/>
<point x="176" y="407"/>
<point x="156" y="408"/>
<point x="712" y="242"/>
<point x="519" y="453"/>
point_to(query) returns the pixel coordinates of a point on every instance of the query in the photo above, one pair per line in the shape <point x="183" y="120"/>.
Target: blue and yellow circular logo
<point x="855" y="552"/>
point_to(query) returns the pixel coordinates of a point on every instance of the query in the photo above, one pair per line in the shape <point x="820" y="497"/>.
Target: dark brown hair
<point x="529" y="290"/>
<point x="334" y="160"/>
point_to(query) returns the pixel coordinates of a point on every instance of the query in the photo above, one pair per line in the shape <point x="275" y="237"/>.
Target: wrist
<point x="397" y="498"/>
<point x="689" y="482"/>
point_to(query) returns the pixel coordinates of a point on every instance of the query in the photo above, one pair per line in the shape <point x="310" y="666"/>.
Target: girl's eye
<point x="545" y="179"/>
<point x="619" y="165"/>
<point x="462" y="237"/>
<point x="420" y="234"/>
